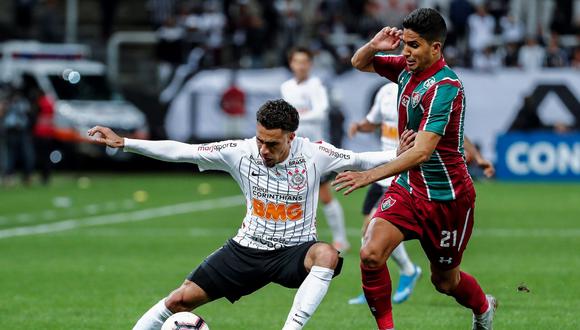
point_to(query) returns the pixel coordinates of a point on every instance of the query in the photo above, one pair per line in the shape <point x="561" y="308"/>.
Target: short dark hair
<point x="428" y="23"/>
<point x="300" y="49"/>
<point x="278" y="114"/>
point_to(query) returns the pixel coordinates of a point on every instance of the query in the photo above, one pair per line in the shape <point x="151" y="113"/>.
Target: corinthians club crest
<point x="297" y="178"/>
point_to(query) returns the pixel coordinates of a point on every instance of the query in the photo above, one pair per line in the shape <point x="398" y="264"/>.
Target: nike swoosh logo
<point x="258" y="174"/>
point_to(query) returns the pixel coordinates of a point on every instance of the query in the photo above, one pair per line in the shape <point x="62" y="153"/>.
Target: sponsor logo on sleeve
<point x="216" y="147"/>
<point x="334" y="153"/>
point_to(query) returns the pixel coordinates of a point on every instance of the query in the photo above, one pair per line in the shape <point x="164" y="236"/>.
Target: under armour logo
<point x="448" y="261"/>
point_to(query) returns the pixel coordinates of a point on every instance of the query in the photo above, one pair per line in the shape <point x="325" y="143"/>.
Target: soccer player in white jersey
<point x="308" y="95"/>
<point x="384" y="115"/>
<point x="279" y="174"/>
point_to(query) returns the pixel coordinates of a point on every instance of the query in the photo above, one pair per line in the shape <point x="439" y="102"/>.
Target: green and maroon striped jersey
<point x="432" y="100"/>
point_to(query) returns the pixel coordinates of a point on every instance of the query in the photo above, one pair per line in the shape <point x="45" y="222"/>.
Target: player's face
<point x="419" y="53"/>
<point x="274" y="144"/>
<point x="300" y="65"/>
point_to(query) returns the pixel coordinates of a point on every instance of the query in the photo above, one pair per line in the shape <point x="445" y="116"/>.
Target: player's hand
<point x="406" y="141"/>
<point x="352" y="180"/>
<point x="487" y="167"/>
<point x="352" y="130"/>
<point x="389" y="38"/>
<point x="106" y="136"/>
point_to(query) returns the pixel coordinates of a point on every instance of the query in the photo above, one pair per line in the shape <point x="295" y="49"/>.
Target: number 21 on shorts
<point x="448" y="238"/>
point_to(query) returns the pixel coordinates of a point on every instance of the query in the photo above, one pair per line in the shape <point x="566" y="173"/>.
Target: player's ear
<point x="436" y="48"/>
<point x="291" y="136"/>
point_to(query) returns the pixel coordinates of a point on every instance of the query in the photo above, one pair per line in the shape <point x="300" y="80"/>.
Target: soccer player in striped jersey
<point x="384" y="115"/>
<point x="279" y="175"/>
<point x="433" y="197"/>
<point x="308" y="95"/>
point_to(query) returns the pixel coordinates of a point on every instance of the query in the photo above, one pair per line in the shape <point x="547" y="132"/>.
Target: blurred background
<point x="167" y="69"/>
<point x="91" y="237"/>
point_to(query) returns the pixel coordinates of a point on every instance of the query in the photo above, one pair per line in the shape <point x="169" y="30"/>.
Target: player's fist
<point x="106" y="136"/>
<point x="389" y="38"/>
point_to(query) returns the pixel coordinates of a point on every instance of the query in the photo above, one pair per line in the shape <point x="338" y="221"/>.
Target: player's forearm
<point x="363" y="58"/>
<point x="170" y="151"/>
<point x="404" y="162"/>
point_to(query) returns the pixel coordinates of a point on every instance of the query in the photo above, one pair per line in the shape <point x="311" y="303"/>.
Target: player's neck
<point x="300" y="80"/>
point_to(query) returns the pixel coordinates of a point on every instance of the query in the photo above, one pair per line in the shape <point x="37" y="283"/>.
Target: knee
<point x="326" y="256"/>
<point x="371" y="258"/>
<point x="442" y="284"/>
<point x="177" y="301"/>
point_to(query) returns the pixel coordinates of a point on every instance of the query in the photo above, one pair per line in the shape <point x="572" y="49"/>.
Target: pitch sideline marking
<point x="134" y="216"/>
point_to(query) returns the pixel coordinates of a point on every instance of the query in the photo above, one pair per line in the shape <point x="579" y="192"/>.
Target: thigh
<point x="398" y="207"/>
<point x="447" y="230"/>
<point x="288" y="268"/>
<point x="232" y="271"/>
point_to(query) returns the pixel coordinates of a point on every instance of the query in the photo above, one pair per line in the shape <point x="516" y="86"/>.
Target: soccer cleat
<point x="406" y="286"/>
<point x="485" y="320"/>
<point x="358" y="300"/>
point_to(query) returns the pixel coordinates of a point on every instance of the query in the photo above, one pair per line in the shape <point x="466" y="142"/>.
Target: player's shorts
<point x="234" y="271"/>
<point x="374" y="194"/>
<point x="443" y="228"/>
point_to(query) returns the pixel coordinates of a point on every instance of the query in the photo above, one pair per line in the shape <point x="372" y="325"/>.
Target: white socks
<point x="335" y="219"/>
<point x="402" y="259"/>
<point x="308" y="297"/>
<point x="153" y="319"/>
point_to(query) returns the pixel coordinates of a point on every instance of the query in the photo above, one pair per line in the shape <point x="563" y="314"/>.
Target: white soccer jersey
<point x="310" y="98"/>
<point x="281" y="201"/>
<point x="384" y="112"/>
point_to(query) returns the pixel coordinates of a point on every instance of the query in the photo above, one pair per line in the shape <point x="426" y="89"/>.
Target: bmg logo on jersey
<point x="277" y="211"/>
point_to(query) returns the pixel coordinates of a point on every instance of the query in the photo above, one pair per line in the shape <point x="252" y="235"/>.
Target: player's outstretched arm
<point x="106" y="136"/>
<point x="387" y="39"/>
<point x="170" y="151"/>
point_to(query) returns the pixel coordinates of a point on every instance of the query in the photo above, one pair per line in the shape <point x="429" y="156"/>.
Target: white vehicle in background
<point x="77" y="88"/>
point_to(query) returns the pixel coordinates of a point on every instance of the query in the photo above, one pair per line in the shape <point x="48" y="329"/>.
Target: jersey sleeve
<point x="374" y="115"/>
<point x="389" y="66"/>
<point x="331" y="159"/>
<point x="211" y="156"/>
<point x="438" y="104"/>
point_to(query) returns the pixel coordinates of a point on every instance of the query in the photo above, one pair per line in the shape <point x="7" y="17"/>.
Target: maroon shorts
<point x="442" y="227"/>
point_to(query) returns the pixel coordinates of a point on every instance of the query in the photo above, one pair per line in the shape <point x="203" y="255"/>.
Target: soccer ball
<point x="184" y="321"/>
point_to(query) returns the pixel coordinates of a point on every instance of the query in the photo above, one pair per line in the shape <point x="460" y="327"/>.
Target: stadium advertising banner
<point x="538" y="157"/>
<point x="499" y="102"/>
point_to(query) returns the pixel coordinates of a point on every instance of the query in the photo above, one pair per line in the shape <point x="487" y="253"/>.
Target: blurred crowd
<point x="484" y="34"/>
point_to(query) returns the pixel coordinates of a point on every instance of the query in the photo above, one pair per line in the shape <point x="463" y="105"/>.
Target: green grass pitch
<point x="106" y="254"/>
